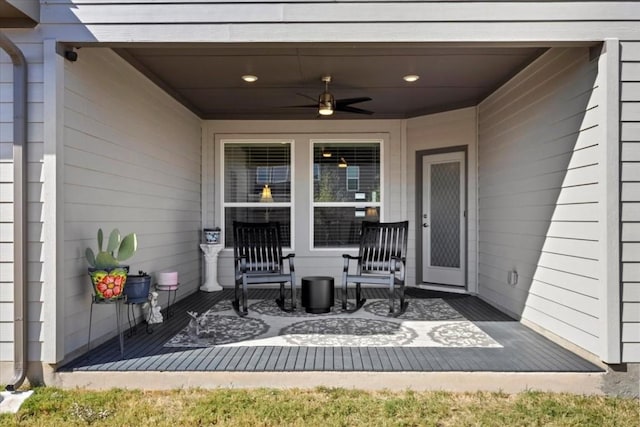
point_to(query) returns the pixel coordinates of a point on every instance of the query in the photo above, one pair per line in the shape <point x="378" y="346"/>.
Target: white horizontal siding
<point x="538" y="196"/>
<point x="630" y="197"/>
<point x="6" y="209"/>
<point x="192" y="12"/>
<point x="546" y="32"/>
<point x="337" y="21"/>
<point x="33" y="53"/>
<point x="131" y="161"/>
<point x="631" y="231"/>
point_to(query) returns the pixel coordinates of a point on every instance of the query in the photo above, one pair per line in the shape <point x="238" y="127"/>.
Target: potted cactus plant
<point x="107" y="275"/>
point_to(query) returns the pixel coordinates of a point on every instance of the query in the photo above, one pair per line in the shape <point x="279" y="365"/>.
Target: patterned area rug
<point x="426" y="323"/>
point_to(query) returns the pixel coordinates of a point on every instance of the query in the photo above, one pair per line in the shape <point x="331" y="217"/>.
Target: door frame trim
<point x="418" y="209"/>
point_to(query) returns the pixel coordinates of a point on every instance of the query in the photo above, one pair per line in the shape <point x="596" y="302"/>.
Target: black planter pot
<point x="137" y="289"/>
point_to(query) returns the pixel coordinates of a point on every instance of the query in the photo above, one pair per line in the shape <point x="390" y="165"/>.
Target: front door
<point x="443" y="220"/>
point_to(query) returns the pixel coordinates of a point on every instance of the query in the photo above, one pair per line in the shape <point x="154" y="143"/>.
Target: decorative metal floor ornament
<point x="426" y="323"/>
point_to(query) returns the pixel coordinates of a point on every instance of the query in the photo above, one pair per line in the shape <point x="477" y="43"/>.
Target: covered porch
<point x="520" y="349"/>
<point x="527" y="206"/>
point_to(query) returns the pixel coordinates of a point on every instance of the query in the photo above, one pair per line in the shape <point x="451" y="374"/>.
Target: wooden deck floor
<point x="523" y="349"/>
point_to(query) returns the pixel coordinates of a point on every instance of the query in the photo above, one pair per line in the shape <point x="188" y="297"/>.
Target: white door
<point x="443" y="220"/>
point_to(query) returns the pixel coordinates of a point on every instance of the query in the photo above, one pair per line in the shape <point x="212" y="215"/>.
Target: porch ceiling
<point x="208" y="79"/>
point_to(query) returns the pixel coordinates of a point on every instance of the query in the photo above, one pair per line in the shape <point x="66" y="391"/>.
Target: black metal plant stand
<point x="117" y="302"/>
<point x="170" y="301"/>
<point x="131" y="318"/>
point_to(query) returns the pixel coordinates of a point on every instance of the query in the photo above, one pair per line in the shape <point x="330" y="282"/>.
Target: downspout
<point x="19" y="212"/>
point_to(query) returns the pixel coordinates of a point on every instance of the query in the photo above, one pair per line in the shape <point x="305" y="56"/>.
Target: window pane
<point x="258" y="215"/>
<point x="346" y="173"/>
<point x="340" y="227"/>
<point x="248" y="167"/>
<point x="257" y="174"/>
<point x="351" y="168"/>
<point x="353" y="178"/>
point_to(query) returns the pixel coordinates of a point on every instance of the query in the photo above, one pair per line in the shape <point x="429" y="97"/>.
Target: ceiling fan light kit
<point x="327" y="104"/>
<point x="249" y="78"/>
<point x="411" y="78"/>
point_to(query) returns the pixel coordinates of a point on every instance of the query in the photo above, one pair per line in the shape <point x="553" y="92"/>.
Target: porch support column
<point x="609" y="65"/>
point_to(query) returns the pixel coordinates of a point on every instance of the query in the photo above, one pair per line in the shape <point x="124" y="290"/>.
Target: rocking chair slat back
<point x="259" y="244"/>
<point x="381" y="260"/>
<point x="259" y="260"/>
<point x="379" y="243"/>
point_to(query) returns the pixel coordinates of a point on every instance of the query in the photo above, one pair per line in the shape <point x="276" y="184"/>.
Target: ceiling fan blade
<point x="347" y="101"/>
<point x="315" y="99"/>
<point x="348" y="109"/>
<point x="302" y="106"/>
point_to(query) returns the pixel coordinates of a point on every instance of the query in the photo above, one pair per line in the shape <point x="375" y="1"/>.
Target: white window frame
<point x="356" y="205"/>
<point x="290" y="204"/>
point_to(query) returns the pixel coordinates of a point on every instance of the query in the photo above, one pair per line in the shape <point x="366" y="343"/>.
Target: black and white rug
<point x="426" y="323"/>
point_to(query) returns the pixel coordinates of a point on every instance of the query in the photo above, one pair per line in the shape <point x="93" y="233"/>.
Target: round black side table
<point x="317" y="294"/>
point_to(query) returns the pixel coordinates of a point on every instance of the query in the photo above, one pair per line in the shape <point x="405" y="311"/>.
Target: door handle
<point x="425" y="225"/>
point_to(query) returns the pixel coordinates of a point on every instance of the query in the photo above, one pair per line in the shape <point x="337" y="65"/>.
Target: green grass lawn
<point x="318" y="407"/>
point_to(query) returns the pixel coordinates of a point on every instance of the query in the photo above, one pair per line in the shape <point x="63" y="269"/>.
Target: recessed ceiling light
<point x="411" y="78"/>
<point x="249" y="78"/>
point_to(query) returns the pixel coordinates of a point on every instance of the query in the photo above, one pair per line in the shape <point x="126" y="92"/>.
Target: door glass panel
<point x="445" y="215"/>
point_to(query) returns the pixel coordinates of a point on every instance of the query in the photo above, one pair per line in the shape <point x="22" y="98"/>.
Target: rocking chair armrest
<point x="347" y="260"/>
<point x="290" y="258"/>
<point x="242" y="263"/>
<point x="398" y="265"/>
<point x="403" y="260"/>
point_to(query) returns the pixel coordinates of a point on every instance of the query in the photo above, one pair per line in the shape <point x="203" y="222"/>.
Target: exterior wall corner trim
<point x="610" y="209"/>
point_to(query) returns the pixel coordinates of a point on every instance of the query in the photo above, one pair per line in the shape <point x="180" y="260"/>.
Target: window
<point x="346" y="191"/>
<point x="353" y="178"/>
<point x="257" y="184"/>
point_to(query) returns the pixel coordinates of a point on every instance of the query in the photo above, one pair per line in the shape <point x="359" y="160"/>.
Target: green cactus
<point x="117" y="250"/>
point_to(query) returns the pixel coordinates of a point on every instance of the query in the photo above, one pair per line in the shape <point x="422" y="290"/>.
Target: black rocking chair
<point x="259" y="260"/>
<point x="381" y="260"/>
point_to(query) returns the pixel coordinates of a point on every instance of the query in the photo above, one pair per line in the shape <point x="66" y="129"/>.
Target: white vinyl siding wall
<point x="338" y="21"/>
<point x="132" y="162"/>
<point x="33" y="52"/>
<point x="630" y="164"/>
<point x="6" y="209"/>
<point x="538" y="196"/>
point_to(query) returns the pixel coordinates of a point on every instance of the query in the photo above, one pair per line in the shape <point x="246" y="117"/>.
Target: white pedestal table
<point x="211" y="267"/>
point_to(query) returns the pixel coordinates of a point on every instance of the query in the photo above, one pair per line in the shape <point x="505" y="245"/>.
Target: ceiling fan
<point x="327" y="104"/>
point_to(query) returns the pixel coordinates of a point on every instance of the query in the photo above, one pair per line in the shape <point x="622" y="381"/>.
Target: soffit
<point x="207" y="79"/>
